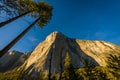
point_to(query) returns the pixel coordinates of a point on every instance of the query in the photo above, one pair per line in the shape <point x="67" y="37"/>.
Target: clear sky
<point x="81" y="19"/>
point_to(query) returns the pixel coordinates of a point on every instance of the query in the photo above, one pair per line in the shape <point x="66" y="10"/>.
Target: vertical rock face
<point x="82" y="53"/>
<point x="12" y="60"/>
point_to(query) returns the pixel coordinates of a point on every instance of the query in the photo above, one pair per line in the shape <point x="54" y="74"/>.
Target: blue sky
<point x="81" y="19"/>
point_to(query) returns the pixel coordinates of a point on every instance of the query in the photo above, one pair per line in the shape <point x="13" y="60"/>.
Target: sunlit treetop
<point x="36" y="9"/>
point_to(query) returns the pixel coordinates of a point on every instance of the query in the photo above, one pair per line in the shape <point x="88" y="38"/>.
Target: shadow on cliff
<point x="75" y="49"/>
<point x="60" y="47"/>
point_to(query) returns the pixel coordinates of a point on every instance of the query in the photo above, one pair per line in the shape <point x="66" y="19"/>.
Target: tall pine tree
<point x="34" y="9"/>
<point x="43" y="16"/>
<point x="69" y="72"/>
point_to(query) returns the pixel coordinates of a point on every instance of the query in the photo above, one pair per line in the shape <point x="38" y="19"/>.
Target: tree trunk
<point x="12" y="43"/>
<point x="12" y="19"/>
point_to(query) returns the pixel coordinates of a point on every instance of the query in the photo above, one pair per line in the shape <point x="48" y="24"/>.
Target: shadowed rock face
<point x="82" y="53"/>
<point x="12" y="60"/>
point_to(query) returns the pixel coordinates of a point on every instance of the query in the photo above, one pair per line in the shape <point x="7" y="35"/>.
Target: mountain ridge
<point x="52" y="51"/>
<point x="56" y="44"/>
<point x="12" y="60"/>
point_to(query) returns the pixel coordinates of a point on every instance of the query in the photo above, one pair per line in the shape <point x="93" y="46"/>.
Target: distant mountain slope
<point x="56" y="44"/>
<point x="99" y="50"/>
<point x="12" y="60"/>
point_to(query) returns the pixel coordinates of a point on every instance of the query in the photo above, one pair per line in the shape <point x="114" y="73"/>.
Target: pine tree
<point x="43" y="17"/>
<point x="15" y="8"/>
<point x="33" y="9"/>
<point x="13" y="19"/>
<point x="114" y="64"/>
<point x="4" y="50"/>
<point x="69" y="73"/>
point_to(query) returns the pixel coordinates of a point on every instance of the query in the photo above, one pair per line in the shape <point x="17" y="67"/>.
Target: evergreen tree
<point x="114" y="62"/>
<point x="43" y="17"/>
<point x="15" y="8"/>
<point x="32" y="8"/>
<point x="114" y="65"/>
<point x="4" y="50"/>
<point x="69" y="73"/>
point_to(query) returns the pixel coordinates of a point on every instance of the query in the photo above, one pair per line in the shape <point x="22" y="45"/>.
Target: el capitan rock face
<point x="49" y="52"/>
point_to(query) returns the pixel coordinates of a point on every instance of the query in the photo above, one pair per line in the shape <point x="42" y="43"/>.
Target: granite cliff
<point x="53" y="49"/>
